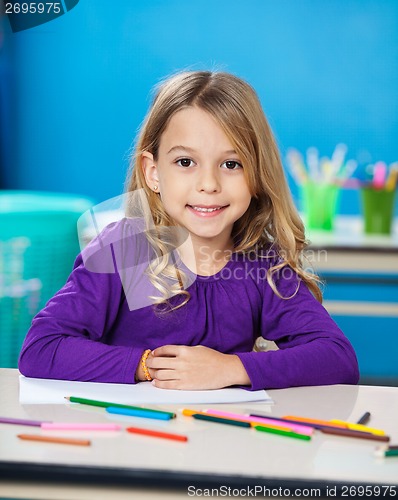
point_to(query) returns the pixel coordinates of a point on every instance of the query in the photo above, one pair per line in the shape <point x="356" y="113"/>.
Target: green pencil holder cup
<point x="378" y="209"/>
<point x="319" y="203"/>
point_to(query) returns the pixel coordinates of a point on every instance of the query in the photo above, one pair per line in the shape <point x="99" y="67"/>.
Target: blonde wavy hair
<point x="271" y="219"/>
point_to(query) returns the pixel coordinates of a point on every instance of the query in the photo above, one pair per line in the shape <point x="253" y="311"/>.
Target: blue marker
<point x="138" y="413"/>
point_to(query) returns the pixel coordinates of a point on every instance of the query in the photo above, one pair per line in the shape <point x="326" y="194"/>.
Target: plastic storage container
<point x="38" y="245"/>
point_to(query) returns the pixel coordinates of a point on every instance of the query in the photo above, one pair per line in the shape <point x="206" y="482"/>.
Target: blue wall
<point x="326" y="72"/>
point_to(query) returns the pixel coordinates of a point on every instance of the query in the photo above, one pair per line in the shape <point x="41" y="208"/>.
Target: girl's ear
<point x="150" y="171"/>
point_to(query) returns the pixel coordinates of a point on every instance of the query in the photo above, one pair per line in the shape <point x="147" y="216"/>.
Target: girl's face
<point x="199" y="177"/>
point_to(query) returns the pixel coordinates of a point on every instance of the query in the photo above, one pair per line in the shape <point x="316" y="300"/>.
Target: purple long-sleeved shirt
<point x="98" y="325"/>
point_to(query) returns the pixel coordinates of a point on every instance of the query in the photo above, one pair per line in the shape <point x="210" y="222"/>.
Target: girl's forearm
<point x="73" y="358"/>
<point x="235" y="371"/>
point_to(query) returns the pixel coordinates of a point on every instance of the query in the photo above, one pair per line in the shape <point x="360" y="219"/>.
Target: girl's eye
<point x="184" y="162"/>
<point x="232" y="165"/>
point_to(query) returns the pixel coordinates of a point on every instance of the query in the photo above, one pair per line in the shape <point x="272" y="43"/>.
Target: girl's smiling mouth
<point x="206" y="210"/>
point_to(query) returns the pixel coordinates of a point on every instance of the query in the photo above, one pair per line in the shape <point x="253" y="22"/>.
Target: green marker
<point x="280" y="432"/>
<point x="103" y="404"/>
<point x="221" y="420"/>
<point x="386" y="453"/>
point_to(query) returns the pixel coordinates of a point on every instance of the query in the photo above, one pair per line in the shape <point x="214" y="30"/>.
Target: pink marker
<point x="67" y="426"/>
<point x="300" y="429"/>
<point x="379" y="174"/>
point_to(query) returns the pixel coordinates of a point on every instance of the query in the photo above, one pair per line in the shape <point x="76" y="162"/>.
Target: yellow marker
<point x="189" y="413"/>
<point x="359" y="427"/>
<point x="392" y="178"/>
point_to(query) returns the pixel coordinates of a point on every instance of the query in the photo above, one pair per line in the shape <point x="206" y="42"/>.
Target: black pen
<point x="364" y="419"/>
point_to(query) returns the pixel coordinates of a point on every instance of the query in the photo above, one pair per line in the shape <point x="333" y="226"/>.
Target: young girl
<point x="188" y="315"/>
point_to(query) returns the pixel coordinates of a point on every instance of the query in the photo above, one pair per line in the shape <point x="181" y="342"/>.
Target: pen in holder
<point x="378" y="198"/>
<point x="320" y="182"/>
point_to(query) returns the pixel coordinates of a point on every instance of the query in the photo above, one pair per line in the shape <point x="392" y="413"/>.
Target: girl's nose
<point x="208" y="181"/>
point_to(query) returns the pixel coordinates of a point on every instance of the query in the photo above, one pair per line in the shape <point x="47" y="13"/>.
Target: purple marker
<point x="19" y="421"/>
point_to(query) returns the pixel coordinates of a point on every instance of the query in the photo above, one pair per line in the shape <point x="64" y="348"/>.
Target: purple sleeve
<point x="65" y="340"/>
<point x="312" y="348"/>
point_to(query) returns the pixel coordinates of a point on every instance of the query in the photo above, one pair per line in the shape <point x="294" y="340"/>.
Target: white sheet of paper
<point x="43" y="391"/>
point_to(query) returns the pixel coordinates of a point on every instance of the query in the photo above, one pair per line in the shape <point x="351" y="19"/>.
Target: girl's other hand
<point x="194" y="368"/>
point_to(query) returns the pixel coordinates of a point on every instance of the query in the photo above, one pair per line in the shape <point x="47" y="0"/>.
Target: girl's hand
<point x="194" y="368"/>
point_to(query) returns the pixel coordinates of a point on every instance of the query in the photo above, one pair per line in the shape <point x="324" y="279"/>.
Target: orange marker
<point x="314" y="421"/>
<point x="59" y="440"/>
<point x="159" y="434"/>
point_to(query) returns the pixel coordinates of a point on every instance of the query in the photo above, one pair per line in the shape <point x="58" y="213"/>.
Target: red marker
<point x="153" y="433"/>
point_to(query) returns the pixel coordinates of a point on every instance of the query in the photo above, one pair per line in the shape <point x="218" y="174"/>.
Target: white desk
<point x="216" y="454"/>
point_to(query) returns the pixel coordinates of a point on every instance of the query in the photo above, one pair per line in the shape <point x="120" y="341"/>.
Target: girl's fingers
<point x="161" y="363"/>
<point x="164" y="375"/>
<point x="167" y="350"/>
<point x="166" y="384"/>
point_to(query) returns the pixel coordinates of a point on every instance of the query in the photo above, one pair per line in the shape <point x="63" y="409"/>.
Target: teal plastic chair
<point x="38" y="245"/>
